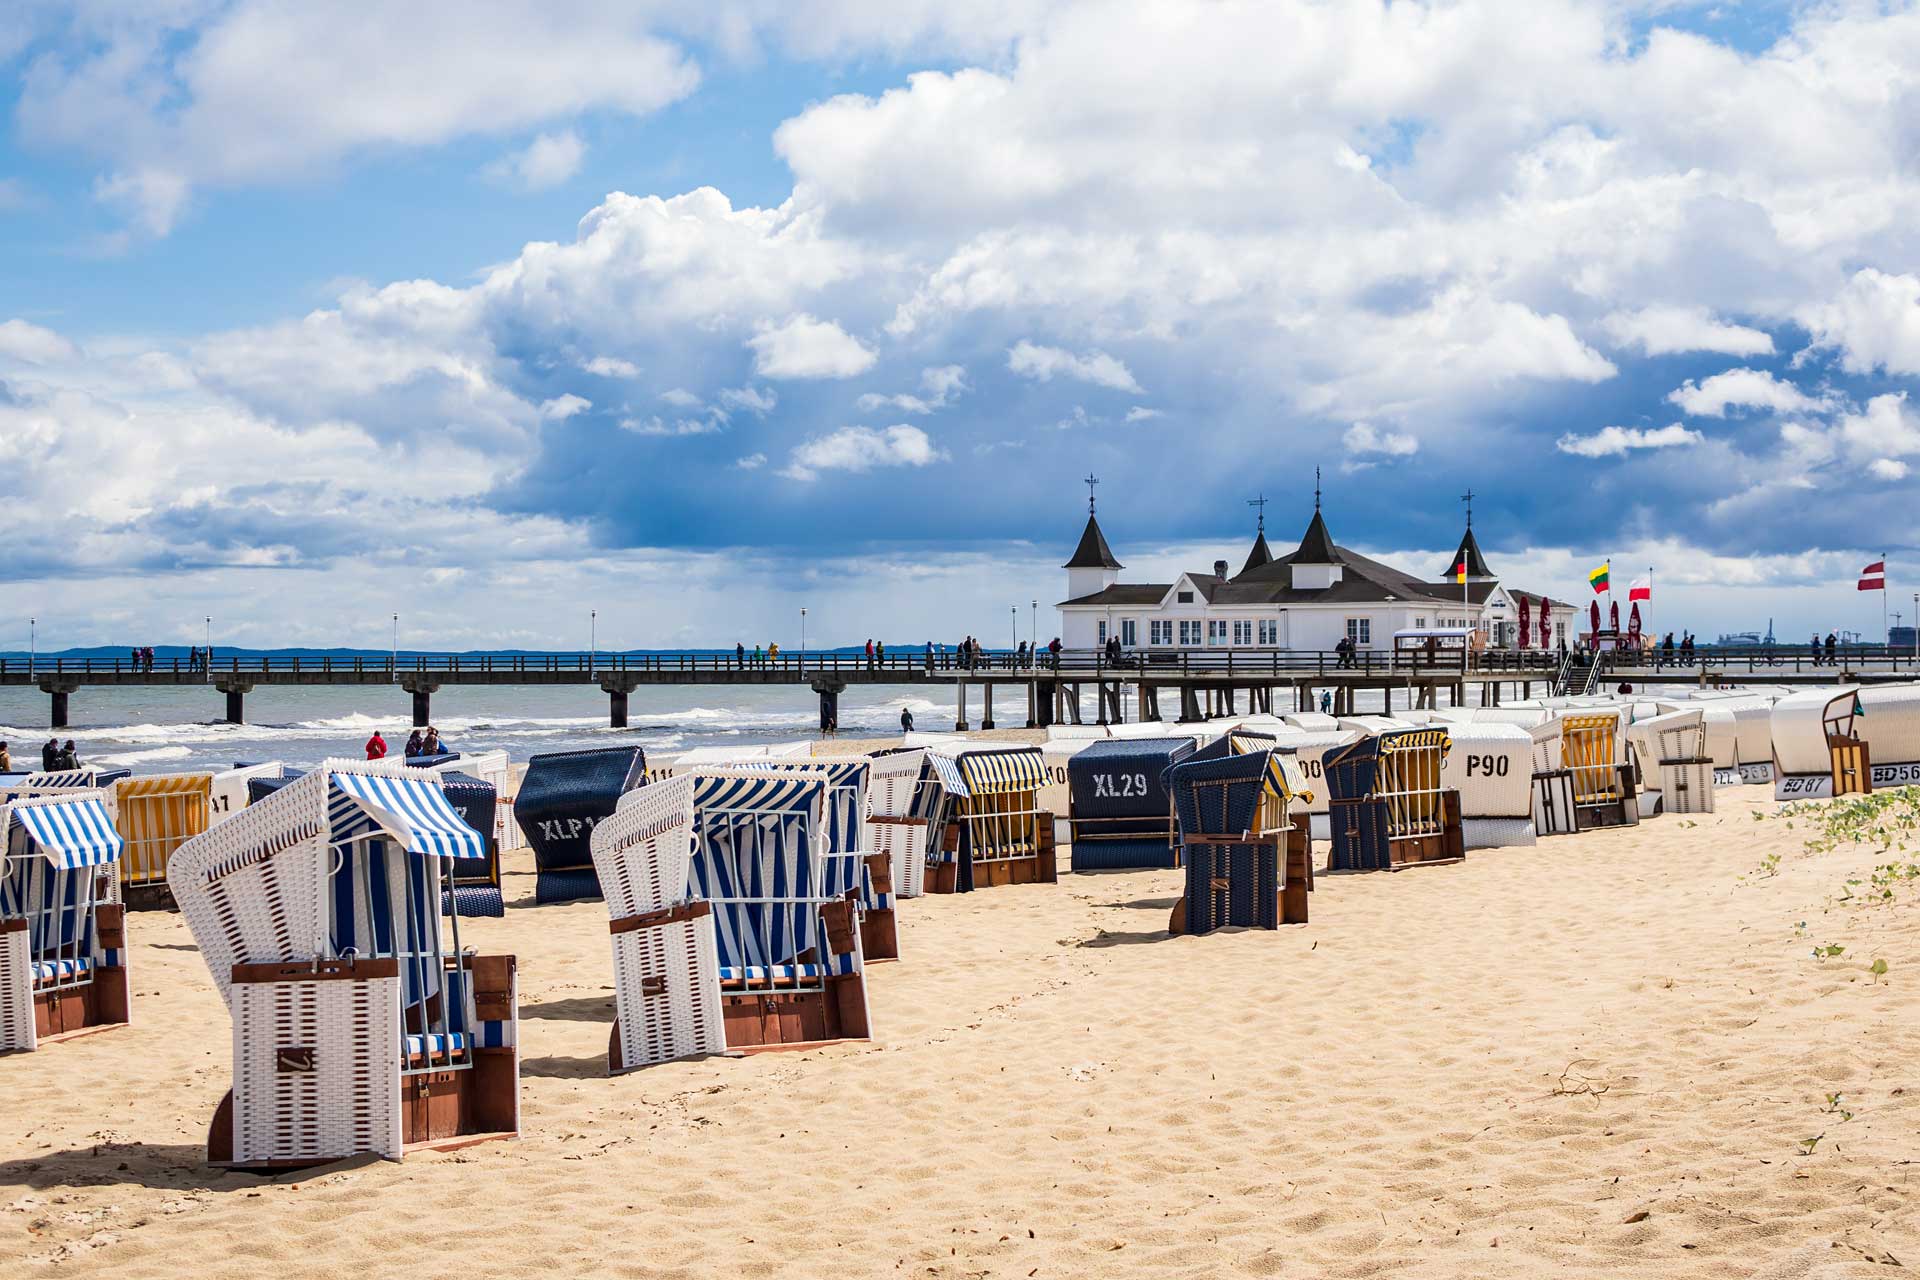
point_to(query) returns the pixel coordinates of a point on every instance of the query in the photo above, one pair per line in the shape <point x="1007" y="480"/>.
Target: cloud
<point x="804" y="347"/>
<point x="1874" y="320"/>
<point x="658" y="426"/>
<point x="1670" y="330"/>
<point x="940" y="387"/>
<point x="610" y="367"/>
<point x="20" y="340"/>
<point x="752" y="462"/>
<point x="755" y="400"/>
<point x="1741" y="389"/>
<point x="1615" y="442"/>
<point x="1362" y="438"/>
<point x="1888" y="469"/>
<point x="256" y="91"/>
<point x="1140" y="413"/>
<point x="681" y="398"/>
<point x="859" y="449"/>
<point x="563" y="407"/>
<point x="549" y="160"/>
<point x="1886" y="428"/>
<point x="1043" y="363"/>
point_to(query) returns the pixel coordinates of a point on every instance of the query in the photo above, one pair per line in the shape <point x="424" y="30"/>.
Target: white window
<point x="1270" y="631"/>
<point x="1216" y="631"/>
<point x="1129" y="632"/>
<point x="1190" y="631"/>
<point x="1243" y="631"/>
<point x="1160" y="632"/>
<point x="1360" y="630"/>
<point x="1419" y="624"/>
<point x="1103" y="633"/>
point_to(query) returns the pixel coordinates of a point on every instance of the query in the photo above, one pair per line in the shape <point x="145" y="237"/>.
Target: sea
<point x="169" y="728"/>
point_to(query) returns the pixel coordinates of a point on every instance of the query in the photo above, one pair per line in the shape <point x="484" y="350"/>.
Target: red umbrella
<point x="1593" y="613"/>
<point x="1613" y="623"/>
<point x="1546" y="617"/>
<point x="1526" y="617"/>
<point x="1633" y="622"/>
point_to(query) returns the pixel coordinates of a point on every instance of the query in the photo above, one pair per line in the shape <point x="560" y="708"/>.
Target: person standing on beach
<point x="906" y="722"/>
<point x="412" y="748"/>
<point x="6" y="759"/>
<point x="69" y="756"/>
<point x="50" y="756"/>
<point x="376" y="747"/>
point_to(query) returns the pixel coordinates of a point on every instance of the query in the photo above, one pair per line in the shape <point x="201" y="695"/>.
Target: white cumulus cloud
<point x="564" y="406"/>
<point x="1741" y="389"/>
<point x="1874" y="321"/>
<point x="20" y="340"/>
<point x="1669" y="330"/>
<point x="1043" y="364"/>
<point x="1612" y="442"/>
<point x="863" y="449"/>
<point x="804" y="347"/>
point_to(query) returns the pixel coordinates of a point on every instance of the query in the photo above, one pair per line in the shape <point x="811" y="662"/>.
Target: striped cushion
<point x="496" y="1035"/>
<point x="841" y="966"/>
<point x="435" y="1043"/>
<point x="60" y="970"/>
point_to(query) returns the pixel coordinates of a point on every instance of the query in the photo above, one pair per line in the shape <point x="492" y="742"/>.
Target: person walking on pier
<point x="758" y="660"/>
<point x="376" y="747"/>
<point x="880" y="652"/>
<point x="740" y="655"/>
<point x="773" y="654"/>
<point x="869" y="653"/>
<point x="929" y="657"/>
<point x="1831" y="640"/>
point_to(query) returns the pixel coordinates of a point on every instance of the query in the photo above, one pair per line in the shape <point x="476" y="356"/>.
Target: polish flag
<point x="1873" y="577"/>
<point x="1640" y="589"/>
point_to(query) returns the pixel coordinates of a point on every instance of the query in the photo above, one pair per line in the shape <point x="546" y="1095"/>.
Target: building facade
<point x="1312" y="597"/>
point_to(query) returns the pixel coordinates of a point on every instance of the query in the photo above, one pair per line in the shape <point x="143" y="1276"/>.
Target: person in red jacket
<point x="376" y="747"/>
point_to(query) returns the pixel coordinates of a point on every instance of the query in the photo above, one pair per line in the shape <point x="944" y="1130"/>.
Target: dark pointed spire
<point x="1261" y="553"/>
<point x="1316" y="546"/>
<point x="1093" y="551"/>
<point x="1469" y="552"/>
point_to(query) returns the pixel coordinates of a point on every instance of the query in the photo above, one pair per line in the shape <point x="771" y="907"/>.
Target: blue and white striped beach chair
<point x="62" y="939"/>
<point x="727" y="932"/>
<point x="361" y="1023"/>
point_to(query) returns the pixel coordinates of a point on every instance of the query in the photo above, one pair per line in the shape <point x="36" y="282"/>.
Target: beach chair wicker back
<point x="1120" y="808"/>
<point x="1235" y="838"/>
<point x="156" y="815"/>
<point x="1491" y="765"/>
<point x="474" y="889"/>
<point x="1389" y="807"/>
<point x="895" y="823"/>
<point x="561" y="798"/>
<point x="1590" y="748"/>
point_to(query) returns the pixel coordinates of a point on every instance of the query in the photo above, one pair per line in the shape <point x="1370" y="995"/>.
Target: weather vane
<point x="1467" y="498"/>
<point x="1090" y="482"/>
<point x="1261" y="503"/>
<point x="1316" y="488"/>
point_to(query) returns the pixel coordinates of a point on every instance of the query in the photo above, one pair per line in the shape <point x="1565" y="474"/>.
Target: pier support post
<point x="829" y="691"/>
<point x="58" y="690"/>
<point x="1046" y="697"/>
<point x="422" y="692"/>
<point x="960" y="715"/>
<point x="986" y="709"/>
<point x="617" y="687"/>
<point x="236" y="691"/>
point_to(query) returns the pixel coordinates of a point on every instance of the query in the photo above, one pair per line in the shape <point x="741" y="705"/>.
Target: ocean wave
<point x="149" y="756"/>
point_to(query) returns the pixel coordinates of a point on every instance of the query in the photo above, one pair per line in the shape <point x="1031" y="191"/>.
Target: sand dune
<point x="1599" y="1056"/>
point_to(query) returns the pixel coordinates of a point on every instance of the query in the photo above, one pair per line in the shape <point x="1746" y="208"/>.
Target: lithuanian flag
<point x="1598" y="578"/>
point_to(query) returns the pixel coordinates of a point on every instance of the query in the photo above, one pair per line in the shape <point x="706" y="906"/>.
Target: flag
<point x="1640" y="589"/>
<point x="1873" y="577"/>
<point x="1460" y="571"/>
<point x="1598" y="578"/>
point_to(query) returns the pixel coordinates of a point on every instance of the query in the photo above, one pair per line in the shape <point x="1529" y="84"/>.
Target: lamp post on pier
<point x="803" y="637"/>
<point x="33" y="642"/>
<point x="206" y="666"/>
<point x="1013" y="612"/>
<point x="593" y="643"/>
<point x="393" y="671"/>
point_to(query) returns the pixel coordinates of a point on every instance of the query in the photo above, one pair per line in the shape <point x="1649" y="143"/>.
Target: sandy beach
<point x="1606" y="1055"/>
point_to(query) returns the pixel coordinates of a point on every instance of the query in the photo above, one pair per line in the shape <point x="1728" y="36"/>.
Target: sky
<point x="659" y="322"/>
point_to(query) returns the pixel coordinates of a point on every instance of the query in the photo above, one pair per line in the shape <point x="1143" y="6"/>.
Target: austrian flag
<point x="1873" y="577"/>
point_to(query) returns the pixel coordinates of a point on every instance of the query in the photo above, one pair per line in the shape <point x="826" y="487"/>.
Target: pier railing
<point x="1223" y="662"/>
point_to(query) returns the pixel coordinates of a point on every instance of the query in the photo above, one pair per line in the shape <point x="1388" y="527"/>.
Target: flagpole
<point x="1885" y="636"/>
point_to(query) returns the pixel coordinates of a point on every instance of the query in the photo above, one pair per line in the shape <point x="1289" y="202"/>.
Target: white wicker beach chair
<point x="1674" y="760"/>
<point x="724" y="938"/>
<point x="62" y="940"/>
<point x="895" y="824"/>
<point x="359" y="1025"/>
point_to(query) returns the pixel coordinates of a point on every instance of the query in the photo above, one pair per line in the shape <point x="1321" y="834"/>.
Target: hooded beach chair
<point x="1491" y="765"/>
<point x="156" y="814"/>
<point x="62" y="941"/>
<point x="1671" y="749"/>
<point x="563" y="795"/>
<point x="1246" y="854"/>
<point x="724" y="937"/>
<point x="1120" y="811"/>
<point x="473" y="887"/>
<point x="899" y="788"/>
<point x="849" y="870"/>
<point x="361" y="1025"/>
<point x="1581" y="776"/>
<point x="1388" y="807"/>
<point x="988" y="827"/>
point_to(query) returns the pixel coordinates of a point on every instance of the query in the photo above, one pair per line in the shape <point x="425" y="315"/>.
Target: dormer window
<point x="1184" y="597"/>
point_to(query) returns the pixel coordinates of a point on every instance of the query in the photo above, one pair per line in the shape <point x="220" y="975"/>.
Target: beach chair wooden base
<point x="1686" y="786"/>
<point x="1553" y="808"/>
<point x="34" y="1016"/>
<point x="1363" y="840"/>
<point x="1619" y="808"/>
<point x="318" y="1047"/>
<point x="942" y="877"/>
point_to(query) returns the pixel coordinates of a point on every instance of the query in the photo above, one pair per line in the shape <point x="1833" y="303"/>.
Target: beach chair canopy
<point x="967" y="773"/>
<point x="1222" y="796"/>
<point x="757" y="859"/>
<point x="68" y="831"/>
<point x="413" y="811"/>
<point x="1125" y="777"/>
